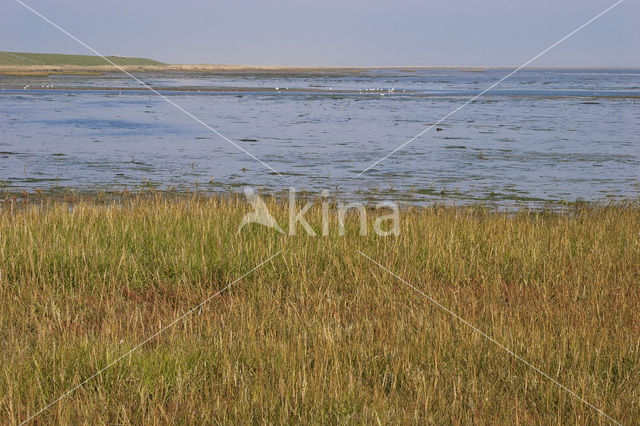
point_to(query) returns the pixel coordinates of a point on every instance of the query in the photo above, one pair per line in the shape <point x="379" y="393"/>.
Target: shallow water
<point x="541" y="136"/>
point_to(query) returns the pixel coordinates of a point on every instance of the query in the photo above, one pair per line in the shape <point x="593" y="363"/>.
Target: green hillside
<point x="32" y="59"/>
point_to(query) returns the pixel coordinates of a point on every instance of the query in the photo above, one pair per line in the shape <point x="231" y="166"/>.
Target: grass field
<point x="319" y="334"/>
<point x="33" y="59"/>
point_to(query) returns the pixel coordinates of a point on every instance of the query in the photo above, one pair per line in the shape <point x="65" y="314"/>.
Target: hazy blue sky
<point x="346" y="32"/>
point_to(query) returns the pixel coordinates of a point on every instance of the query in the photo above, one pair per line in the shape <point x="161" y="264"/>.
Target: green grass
<point x="319" y="334"/>
<point x="35" y="59"/>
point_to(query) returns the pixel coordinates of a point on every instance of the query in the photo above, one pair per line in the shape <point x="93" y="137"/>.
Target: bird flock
<point x="47" y="85"/>
<point x="379" y="90"/>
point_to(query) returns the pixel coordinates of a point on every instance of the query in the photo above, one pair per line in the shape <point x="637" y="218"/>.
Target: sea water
<point x="539" y="137"/>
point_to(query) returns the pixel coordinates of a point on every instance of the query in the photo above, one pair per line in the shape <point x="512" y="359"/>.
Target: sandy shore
<point x="45" y="70"/>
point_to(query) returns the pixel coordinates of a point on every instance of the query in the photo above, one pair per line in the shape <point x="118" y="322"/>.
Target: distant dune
<point x="43" y="64"/>
<point x="35" y="59"/>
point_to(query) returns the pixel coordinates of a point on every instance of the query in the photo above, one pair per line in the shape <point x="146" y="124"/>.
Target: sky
<point x="333" y="33"/>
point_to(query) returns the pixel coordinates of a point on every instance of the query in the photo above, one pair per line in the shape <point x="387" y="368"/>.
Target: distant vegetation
<point x="52" y="59"/>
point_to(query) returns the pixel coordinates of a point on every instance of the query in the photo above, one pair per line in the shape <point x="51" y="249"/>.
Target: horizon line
<point x="258" y="66"/>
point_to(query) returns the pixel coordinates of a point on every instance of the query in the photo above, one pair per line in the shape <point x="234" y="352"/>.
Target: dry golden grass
<point x="319" y="334"/>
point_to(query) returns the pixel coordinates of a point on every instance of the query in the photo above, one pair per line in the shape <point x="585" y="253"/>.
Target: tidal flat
<point x="543" y="136"/>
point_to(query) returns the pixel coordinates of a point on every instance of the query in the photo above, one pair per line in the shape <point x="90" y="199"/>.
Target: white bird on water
<point x="26" y="87"/>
